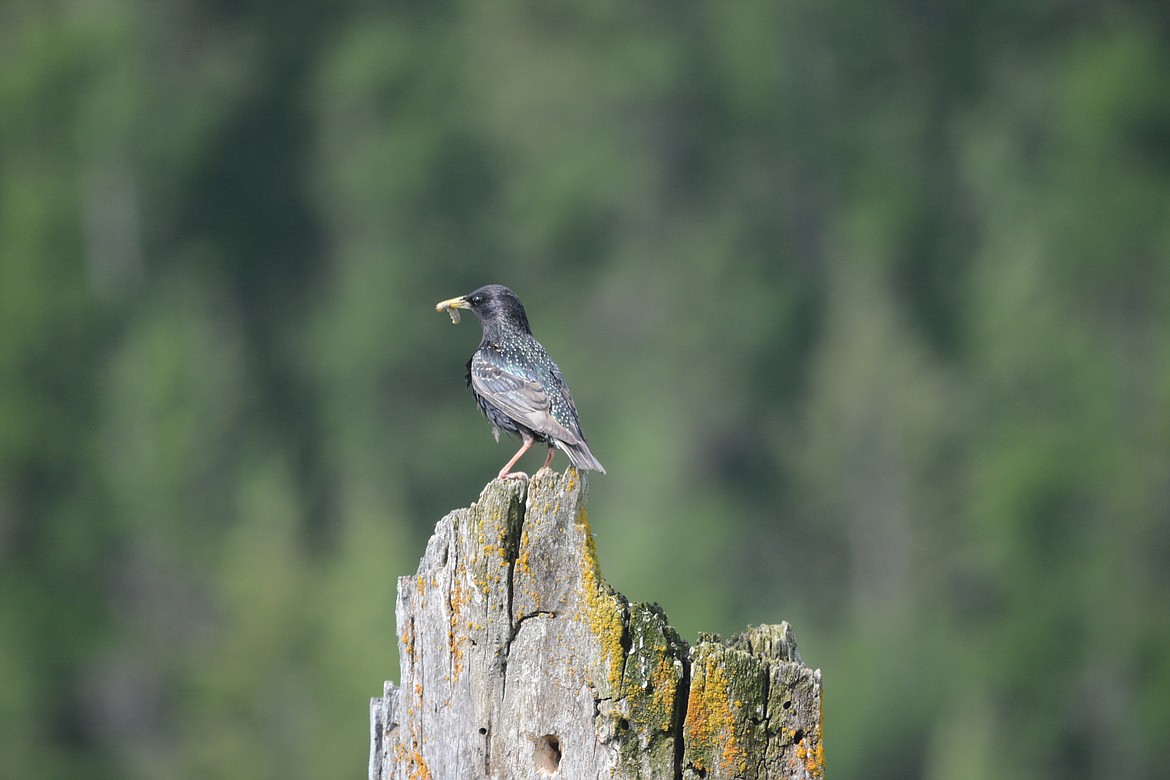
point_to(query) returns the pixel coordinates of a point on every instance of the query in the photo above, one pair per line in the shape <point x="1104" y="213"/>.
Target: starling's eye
<point x="476" y="300"/>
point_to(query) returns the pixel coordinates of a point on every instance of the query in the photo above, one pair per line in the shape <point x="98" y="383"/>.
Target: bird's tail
<point x="580" y="456"/>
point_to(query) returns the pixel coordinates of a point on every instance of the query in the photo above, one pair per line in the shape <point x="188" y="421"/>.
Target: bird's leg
<point x="504" y="473"/>
<point x="551" y="450"/>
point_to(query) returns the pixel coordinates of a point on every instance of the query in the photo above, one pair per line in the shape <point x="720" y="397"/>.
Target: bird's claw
<point x="513" y="475"/>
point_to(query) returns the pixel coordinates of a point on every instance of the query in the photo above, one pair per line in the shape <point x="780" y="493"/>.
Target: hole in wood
<point x="546" y="754"/>
<point x="787" y="704"/>
<point x="798" y="736"/>
<point x="482" y="730"/>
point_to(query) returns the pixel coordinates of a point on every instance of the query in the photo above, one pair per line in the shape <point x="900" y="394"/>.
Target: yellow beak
<point x="452" y="307"/>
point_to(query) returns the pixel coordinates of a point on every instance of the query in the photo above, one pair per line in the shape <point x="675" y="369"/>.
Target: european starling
<point x="516" y="384"/>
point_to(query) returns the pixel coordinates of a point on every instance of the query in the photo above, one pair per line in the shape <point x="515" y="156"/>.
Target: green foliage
<point x="866" y="309"/>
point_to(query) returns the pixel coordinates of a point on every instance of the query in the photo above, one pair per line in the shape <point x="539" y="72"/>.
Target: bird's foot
<point x="512" y="475"/>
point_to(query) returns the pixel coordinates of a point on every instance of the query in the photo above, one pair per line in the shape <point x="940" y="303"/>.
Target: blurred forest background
<point x="866" y="308"/>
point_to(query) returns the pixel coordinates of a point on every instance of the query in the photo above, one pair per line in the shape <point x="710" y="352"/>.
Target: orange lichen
<point x="411" y="756"/>
<point x="417" y="763"/>
<point x="499" y="550"/>
<point x="408" y="639"/>
<point x="503" y="544"/>
<point x="813" y="755"/>
<point x="810" y="749"/>
<point x="710" y="722"/>
<point x="603" y="612"/>
<point x="665" y="684"/>
<point x="813" y="759"/>
<point x="522" y="560"/>
<point x="457" y="601"/>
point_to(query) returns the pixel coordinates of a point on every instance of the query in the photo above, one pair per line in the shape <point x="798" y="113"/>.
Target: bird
<point x="516" y="384"/>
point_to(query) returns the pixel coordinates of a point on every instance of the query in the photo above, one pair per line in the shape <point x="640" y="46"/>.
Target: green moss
<point x="653" y="668"/>
<point x="651" y="681"/>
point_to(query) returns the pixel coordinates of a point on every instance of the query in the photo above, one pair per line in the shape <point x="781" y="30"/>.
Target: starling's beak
<point x="452" y="307"/>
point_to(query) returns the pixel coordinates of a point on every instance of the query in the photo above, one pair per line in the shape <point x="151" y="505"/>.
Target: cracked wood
<point x="519" y="660"/>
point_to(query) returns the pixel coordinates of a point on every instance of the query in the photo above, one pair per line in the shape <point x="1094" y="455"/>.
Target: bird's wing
<point x="517" y="392"/>
<point x="563" y="389"/>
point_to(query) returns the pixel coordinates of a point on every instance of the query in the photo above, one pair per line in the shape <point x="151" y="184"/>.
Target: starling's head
<point x="496" y="306"/>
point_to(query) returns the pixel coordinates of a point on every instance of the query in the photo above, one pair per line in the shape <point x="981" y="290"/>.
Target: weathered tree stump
<point x="519" y="660"/>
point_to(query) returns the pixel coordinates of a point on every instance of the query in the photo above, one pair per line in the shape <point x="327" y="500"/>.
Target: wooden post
<point x="520" y="661"/>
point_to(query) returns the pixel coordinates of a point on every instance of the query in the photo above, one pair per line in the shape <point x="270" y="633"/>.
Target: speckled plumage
<point x="516" y="384"/>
